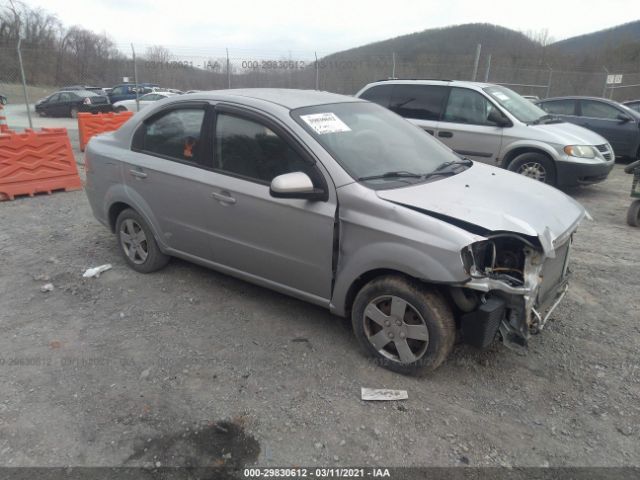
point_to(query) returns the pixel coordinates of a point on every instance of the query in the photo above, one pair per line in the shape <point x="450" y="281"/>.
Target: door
<point x="286" y="241"/>
<point x="167" y="173"/>
<point x="49" y="107"/>
<point x="606" y="119"/>
<point x="422" y="104"/>
<point x="66" y="102"/>
<point x="465" y="126"/>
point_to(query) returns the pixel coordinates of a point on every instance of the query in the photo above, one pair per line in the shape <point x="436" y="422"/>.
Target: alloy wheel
<point x="134" y="241"/>
<point x="533" y="170"/>
<point x="396" y="329"/>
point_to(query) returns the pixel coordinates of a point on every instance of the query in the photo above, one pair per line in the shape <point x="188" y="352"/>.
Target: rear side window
<point x="560" y="107"/>
<point x="467" y="106"/>
<point x="380" y="94"/>
<point x="595" y="109"/>
<point x="422" y="102"/>
<point x="175" y="134"/>
<point x="249" y="149"/>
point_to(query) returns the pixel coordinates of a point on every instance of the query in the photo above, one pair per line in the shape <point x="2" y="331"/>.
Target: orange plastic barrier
<point x="90" y="124"/>
<point x="36" y="161"/>
<point x="3" y="120"/>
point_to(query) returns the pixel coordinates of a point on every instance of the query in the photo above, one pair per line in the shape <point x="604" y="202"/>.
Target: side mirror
<point x="622" y="118"/>
<point x="295" y="185"/>
<point x="497" y="117"/>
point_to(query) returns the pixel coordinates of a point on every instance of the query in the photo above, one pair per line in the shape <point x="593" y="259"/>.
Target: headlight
<point x="580" y="151"/>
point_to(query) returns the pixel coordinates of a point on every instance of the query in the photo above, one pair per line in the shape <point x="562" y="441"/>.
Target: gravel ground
<point x="190" y="367"/>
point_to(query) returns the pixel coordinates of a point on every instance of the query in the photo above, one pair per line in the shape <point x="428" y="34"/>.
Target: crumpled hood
<point x="565" y="134"/>
<point x="496" y="200"/>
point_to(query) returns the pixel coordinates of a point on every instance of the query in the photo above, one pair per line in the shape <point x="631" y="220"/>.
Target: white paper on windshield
<point x="324" y="123"/>
<point x="500" y="95"/>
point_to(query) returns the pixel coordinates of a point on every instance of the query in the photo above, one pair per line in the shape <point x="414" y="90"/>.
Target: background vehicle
<point x="68" y="104"/>
<point x="620" y="125"/>
<point x="495" y="125"/>
<point x="532" y="98"/>
<point x="632" y="104"/>
<point x="127" y="91"/>
<point x="341" y="203"/>
<point x="144" y="101"/>
<point x="3" y="99"/>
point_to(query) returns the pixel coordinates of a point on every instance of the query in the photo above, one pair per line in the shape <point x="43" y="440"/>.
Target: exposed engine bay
<point x="514" y="287"/>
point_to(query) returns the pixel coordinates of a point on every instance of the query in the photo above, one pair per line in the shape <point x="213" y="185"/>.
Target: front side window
<point x="595" y="109"/>
<point x="175" y="134"/>
<point x="519" y="107"/>
<point x="421" y="102"/>
<point x="467" y="106"/>
<point x="249" y="149"/>
<point x="560" y="107"/>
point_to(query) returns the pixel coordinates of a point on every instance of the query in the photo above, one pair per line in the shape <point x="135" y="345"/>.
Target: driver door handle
<point x="445" y="134"/>
<point x="224" y="197"/>
<point x="137" y="173"/>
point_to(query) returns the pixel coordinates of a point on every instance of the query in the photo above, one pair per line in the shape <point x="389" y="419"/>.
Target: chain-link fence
<point x="46" y="71"/>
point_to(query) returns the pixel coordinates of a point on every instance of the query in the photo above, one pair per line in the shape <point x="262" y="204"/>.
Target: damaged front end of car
<point x="515" y="283"/>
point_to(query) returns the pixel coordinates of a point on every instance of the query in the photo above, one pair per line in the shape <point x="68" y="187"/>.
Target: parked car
<point x="127" y="91"/>
<point x="632" y="104"/>
<point x="493" y="124"/>
<point x="69" y="103"/>
<point x="342" y="203"/>
<point x="620" y="125"/>
<point x="144" y="100"/>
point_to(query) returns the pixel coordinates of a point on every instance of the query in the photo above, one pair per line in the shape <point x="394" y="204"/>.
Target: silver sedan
<point x="344" y="204"/>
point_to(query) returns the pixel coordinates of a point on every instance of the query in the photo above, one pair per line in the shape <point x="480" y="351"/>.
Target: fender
<point x="528" y="144"/>
<point x="125" y="194"/>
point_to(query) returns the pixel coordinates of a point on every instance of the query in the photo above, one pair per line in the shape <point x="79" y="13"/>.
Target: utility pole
<point x="475" y="64"/>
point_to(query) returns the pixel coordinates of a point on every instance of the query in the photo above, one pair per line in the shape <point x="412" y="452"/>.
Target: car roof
<point x="433" y="81"/>
<point x="283" y="97"/>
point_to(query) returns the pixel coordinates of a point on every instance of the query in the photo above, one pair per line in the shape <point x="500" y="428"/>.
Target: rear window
<point x="421" y="102"/>
<point x="380" y="94"/>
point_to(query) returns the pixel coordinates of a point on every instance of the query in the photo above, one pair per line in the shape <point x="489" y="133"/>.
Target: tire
<point x="633" y="214"/>
<point x="137" y="243"/>
<point x="73" y="112"/>
<point x="120" y="109"/>
<point x="534" y="165"/>
<point x="427" y="328"/>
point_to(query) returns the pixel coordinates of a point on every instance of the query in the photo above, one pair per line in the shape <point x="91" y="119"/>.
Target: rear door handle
<point x="445" y="134"/>
<point x="137" y="173"/>
<point x="223" y="197"/>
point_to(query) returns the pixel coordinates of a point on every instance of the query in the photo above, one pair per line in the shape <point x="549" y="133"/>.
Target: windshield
<point x="368" y="140"/>
<point x="518" y="106"/>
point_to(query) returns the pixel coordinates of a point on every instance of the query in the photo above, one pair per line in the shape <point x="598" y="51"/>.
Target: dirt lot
<point x="187" y="366"/>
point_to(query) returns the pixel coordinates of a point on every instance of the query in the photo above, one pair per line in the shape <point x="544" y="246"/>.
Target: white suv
<point x="493" y="124"/>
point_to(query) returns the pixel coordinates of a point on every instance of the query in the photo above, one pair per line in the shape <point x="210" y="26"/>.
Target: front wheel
<point x="535" y="166"/>
<point x="633" y="214"/>
<point x="405" y="326"/>
<point x="120" y="109"/>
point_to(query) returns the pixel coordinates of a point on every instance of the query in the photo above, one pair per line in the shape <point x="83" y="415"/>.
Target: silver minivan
<point x="494" y="125"/>
<point x="342" y="203"/>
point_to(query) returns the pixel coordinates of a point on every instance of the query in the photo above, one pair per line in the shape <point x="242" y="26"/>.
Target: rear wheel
<point x="633" y="214"/>
<point x="403" y="325"/>
<point x="137" y="244"/>
<point x="120" y="109"/>
<point x="534" y="165"/>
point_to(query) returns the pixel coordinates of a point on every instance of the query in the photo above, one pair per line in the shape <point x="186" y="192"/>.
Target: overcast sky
<point x="276" y="27"/>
